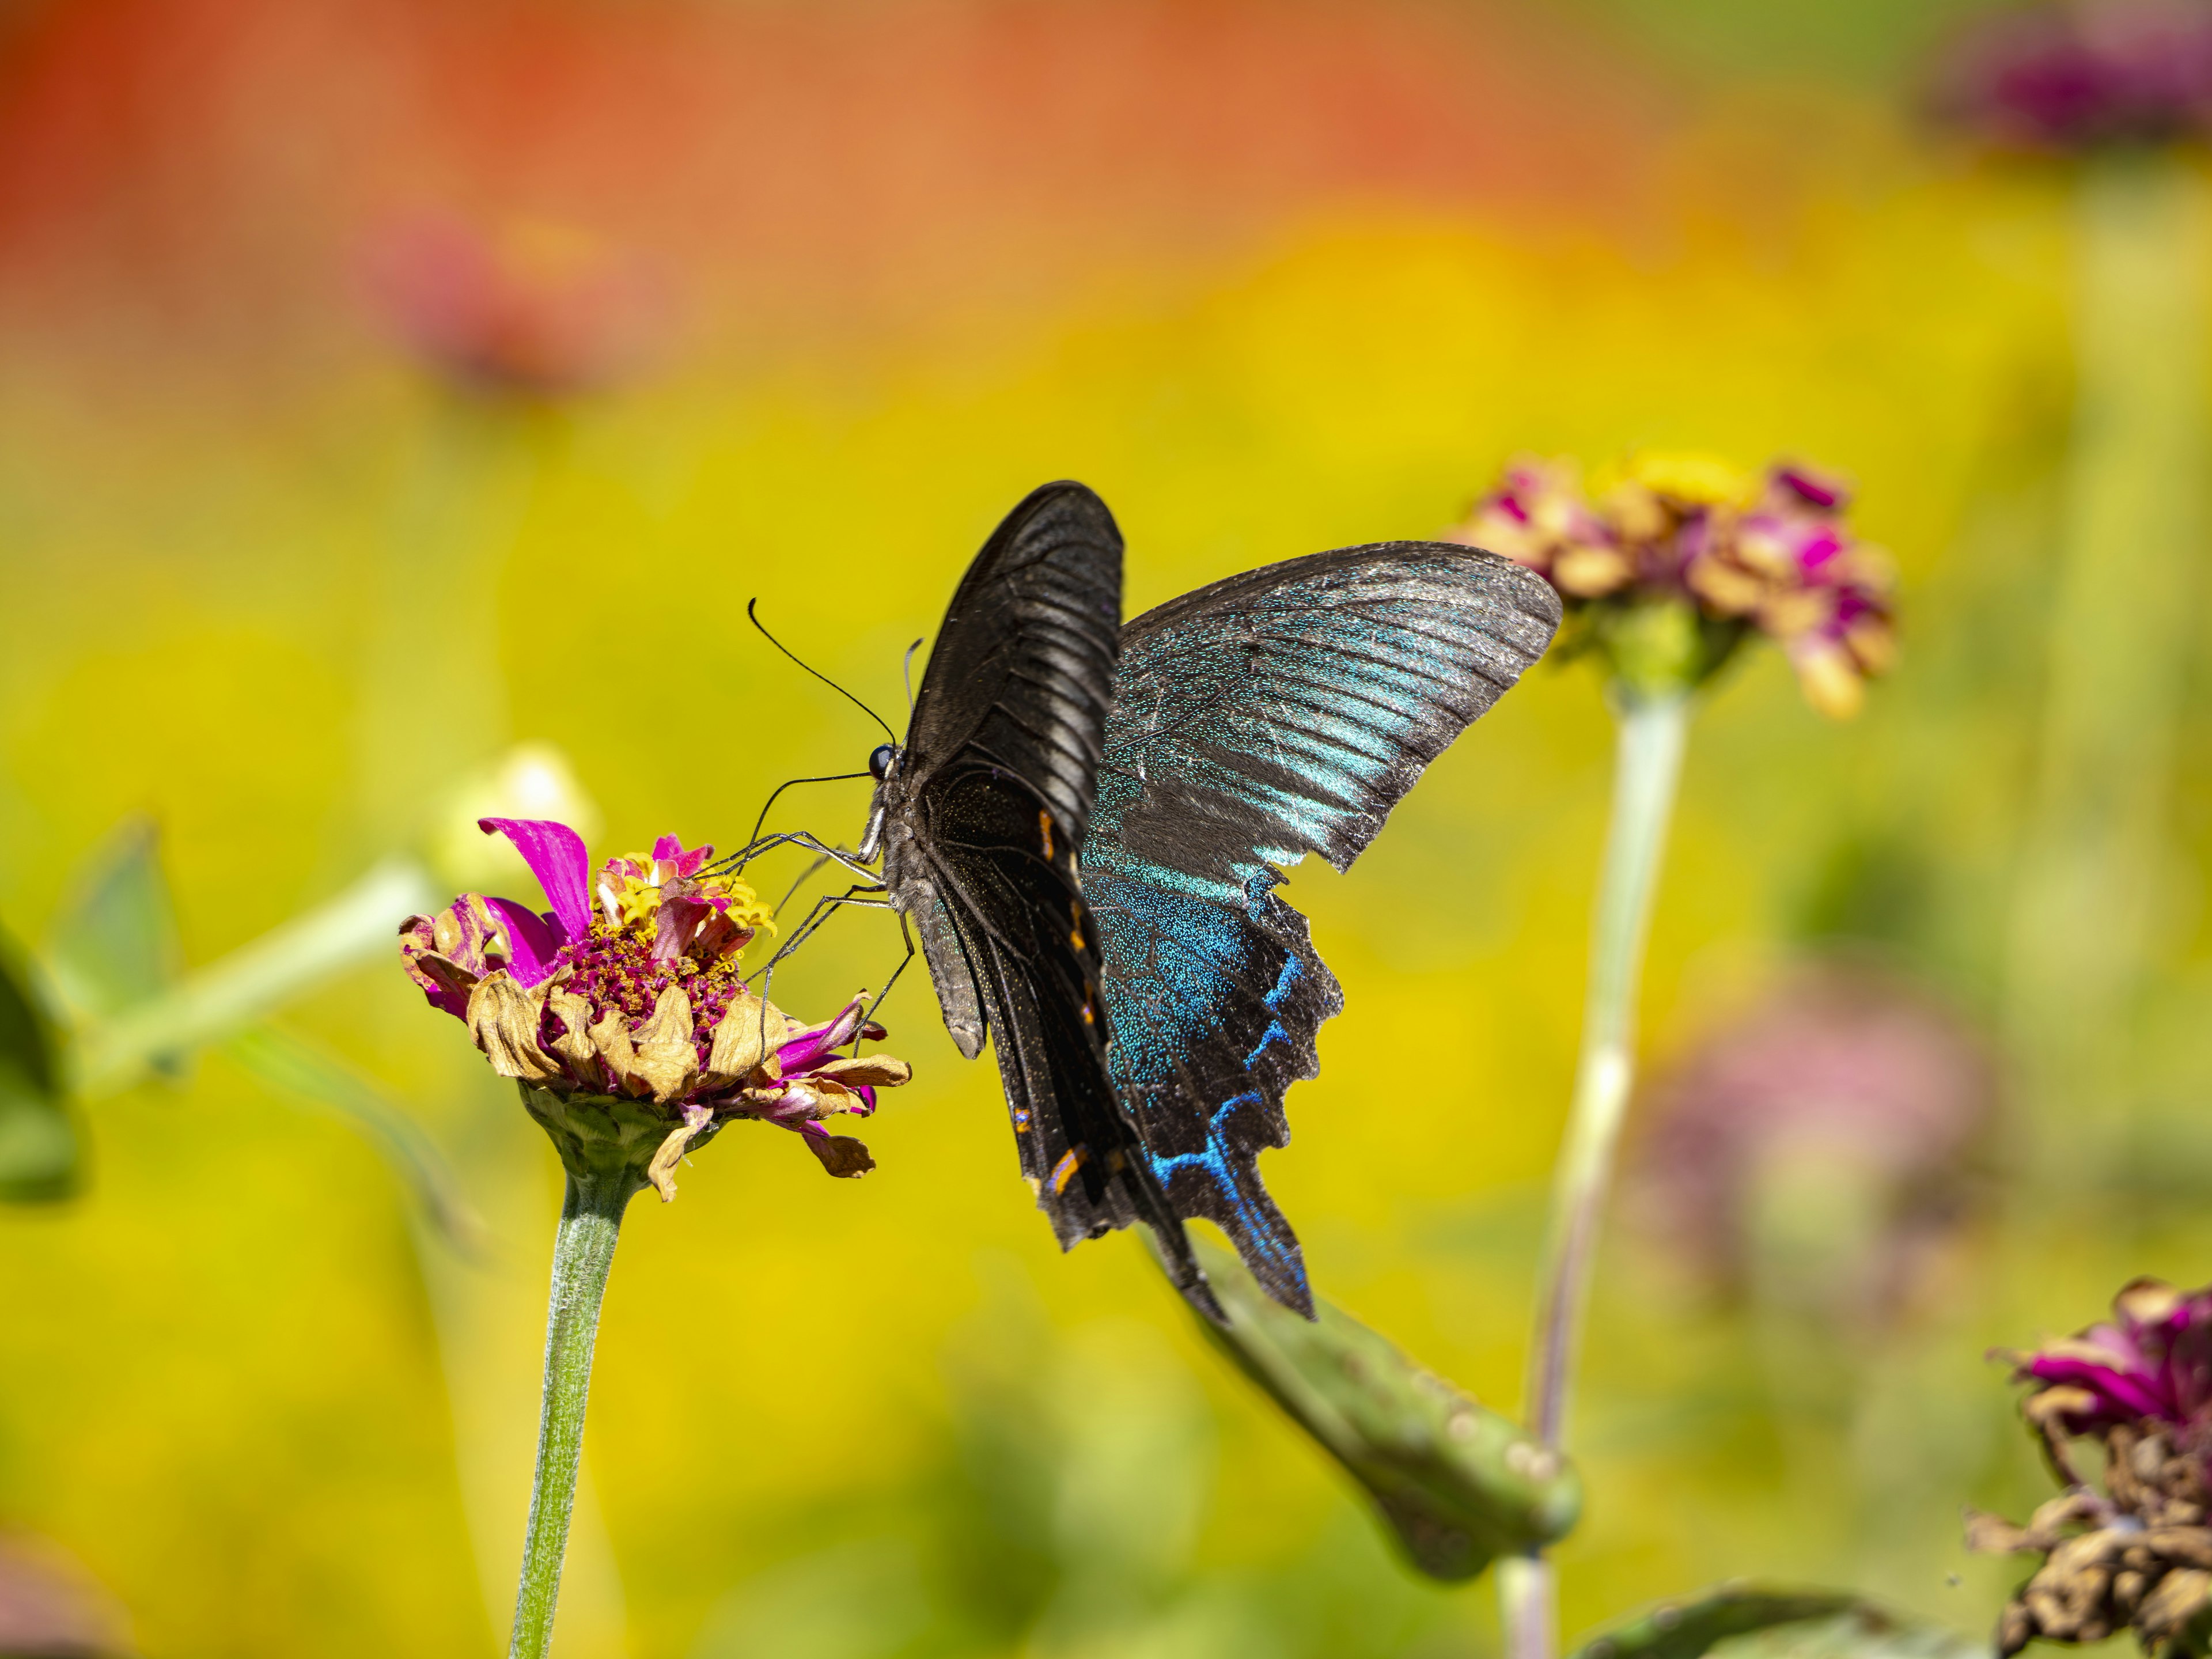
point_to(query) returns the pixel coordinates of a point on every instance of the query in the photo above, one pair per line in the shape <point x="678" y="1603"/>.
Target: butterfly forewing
<point x="1279" y="713"/>
<point x="986" y="817"/>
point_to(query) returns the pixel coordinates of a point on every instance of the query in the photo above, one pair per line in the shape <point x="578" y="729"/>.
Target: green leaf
<point x="39" y="1150"/>
<point x="1746" y="1621"/>
<point x="299" y="1067"/>
<point x="1460" y="1485"/>
<point x="114" y="945"/>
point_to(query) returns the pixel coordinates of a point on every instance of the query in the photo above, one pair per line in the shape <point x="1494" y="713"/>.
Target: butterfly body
<point x="981" y="818"/>
<point x="1085" y="824"/>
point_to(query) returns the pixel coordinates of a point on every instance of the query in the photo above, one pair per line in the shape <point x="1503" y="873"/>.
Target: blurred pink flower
<point x="1851" y="1074"/>
<point x="50" y="1608"/>
<point x="629" y="987"/>
<point x="531" y="310"/>
<point x="2072" y="76"/>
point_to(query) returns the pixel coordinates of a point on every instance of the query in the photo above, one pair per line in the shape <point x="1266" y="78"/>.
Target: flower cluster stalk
<point x="1647" y="763"/>
<point x="583" y="1252"/>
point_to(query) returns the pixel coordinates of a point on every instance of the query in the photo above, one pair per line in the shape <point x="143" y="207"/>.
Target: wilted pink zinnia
<point x="629" y="989"/>
<point x="2150" y="1364"/>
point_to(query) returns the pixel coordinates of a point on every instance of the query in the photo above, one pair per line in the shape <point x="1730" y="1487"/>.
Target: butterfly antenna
<point x="833" y="777"/>
<point x="816" y="673"/>
<point x="906" y="673"/>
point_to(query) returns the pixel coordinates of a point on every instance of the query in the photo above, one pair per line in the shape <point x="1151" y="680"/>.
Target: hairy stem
<point x="583" y="1251"/>
<point x="1647" y="761"/>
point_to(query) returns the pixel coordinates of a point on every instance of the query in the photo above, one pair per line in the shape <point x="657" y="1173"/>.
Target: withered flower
<point x="2085" y="76"/>
<point x="2130" y="1550"/>
<point x="622" y="1013"/>
<point x="1681" y="557"/>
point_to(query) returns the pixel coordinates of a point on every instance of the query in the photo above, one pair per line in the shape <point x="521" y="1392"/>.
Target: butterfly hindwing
<point x="1282" y="711"/>
<point x="985" y="820"/>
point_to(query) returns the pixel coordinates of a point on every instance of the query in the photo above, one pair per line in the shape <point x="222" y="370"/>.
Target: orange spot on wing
<point x="1064" y="1171"/>
<point x="1044" y="828"/>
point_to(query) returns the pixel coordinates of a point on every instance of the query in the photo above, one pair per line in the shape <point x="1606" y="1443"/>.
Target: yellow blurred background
<point x="1271" y="277"/>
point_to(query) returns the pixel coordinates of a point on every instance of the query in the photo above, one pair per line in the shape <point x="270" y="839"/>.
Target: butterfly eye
<point x="880" y="762"/>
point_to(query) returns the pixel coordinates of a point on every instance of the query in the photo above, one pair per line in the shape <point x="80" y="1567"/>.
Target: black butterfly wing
<point x="1279" y="713"/>
<point x="985" y="820"/>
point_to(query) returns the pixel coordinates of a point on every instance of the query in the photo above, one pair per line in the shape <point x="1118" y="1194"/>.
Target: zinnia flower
<point x="2137" y="1554"/>
<point x="2150" y="1366"/>
<point x="628" y="992"/>
<point x="530" y="310"/>
<point x="1683" y="556"/>
<point x="1841" y="1085"/>
<point x="2084" y="76"/>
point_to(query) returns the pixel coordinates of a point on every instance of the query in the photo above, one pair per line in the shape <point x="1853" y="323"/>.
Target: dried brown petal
<point x="877" y="1070"/>
<point x="503" y="1019"/>
<point x="448" y="974"/>
<point x="2180" y="1595"/>
<point x="841" y="1155"/>
<point x="1728" y="589"/>
<point x="610" y="1038"/>
<point x="1590" y="573"/>
<point x="749" y="1029"/>
<point x="574" y="1045"/>
<point x="1992" y="1535"/>
<point x="2147" y="1301"/>
<point x="2064" y="1601"/>
<point x="2054" y="1515"/>
<point x="2128" y="1587"/>
<point x="2015" y="1630"/>
<point x="664" y="1058"/>
<point x="2190" y="1545"/>
<point x="661" y="1172"/>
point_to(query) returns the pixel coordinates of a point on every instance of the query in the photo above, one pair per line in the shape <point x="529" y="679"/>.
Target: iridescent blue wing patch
<point x="1276" y="714"/>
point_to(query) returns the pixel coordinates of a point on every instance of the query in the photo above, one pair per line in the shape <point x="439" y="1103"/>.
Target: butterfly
<point x="1085" y="824"/>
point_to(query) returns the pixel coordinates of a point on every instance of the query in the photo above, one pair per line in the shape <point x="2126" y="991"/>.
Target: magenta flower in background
<point x="1838" y="1072"/>
<point x="2074" y="78"/>
<point x="1718" y="553"/>
<point x="532" y="310"/>
<point x="629" y="987"/>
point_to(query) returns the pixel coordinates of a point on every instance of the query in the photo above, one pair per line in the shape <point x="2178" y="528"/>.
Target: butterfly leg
<point x="744" y="855"/>
<point x="907" y="934"/>
<point x="824" y="906"/>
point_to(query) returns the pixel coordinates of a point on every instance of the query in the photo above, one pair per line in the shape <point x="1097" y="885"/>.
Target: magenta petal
<point x="668" y="846"/>
<point x="537" y="940"/>
<point x="809" y="1047"/>
<point x="555" y="855"/>
<point x="2115" y="1385"/>
<point x="676" y="924"/>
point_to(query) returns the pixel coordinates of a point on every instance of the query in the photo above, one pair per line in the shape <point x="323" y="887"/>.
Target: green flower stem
<point x="583" y="1251"/>
<point x="2099" y="848"/>
<point x="1647" y="763"/>
<point x="208" y="1004"/>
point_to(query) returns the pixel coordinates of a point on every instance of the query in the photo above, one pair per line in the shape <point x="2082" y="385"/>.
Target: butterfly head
<point x="883" y="766"/>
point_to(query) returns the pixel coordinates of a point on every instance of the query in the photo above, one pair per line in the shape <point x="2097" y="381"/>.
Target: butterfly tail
<point x="1176" y="1257"/>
